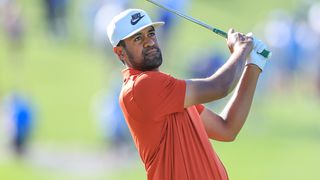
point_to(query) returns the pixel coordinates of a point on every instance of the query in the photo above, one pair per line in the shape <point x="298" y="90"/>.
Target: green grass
<point x="276" y="142"/>
<point x="279" y="140"/>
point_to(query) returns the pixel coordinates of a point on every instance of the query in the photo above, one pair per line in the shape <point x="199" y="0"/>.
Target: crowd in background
<point x="294" y="40"/>
<point x="16" y="109"/>
<point x="293" y="37"/>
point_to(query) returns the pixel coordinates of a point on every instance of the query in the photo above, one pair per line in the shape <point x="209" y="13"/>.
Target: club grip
<point x="221" y="33"/>
<point x="265" y="53"/>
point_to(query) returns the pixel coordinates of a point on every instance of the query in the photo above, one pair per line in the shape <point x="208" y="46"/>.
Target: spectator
<point x="12" y="23"/>
<point x="56" y="16"/>
<point x="19" y="114"/>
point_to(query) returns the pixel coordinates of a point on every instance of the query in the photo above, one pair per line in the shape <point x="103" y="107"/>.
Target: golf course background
<point x="280" y="140"/>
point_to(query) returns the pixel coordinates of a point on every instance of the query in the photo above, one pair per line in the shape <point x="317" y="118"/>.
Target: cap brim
<point x="154" y="24"/>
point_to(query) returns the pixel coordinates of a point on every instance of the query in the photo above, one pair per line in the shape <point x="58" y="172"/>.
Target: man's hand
<point x="239" y="42"/>
<point x="255" y="57"/>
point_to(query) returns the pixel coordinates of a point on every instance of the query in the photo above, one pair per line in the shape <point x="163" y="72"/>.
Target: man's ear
<point x="119" y="51"/>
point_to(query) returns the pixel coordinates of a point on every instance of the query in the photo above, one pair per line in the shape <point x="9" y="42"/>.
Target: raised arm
<point x="222" y="82"/>
<point x="226" y="126"/>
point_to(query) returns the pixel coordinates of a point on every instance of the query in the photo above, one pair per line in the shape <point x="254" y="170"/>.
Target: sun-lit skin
<point x="141" y="51"/>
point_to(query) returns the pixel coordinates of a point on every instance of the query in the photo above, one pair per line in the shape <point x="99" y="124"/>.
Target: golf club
<point x="265" y="53"/>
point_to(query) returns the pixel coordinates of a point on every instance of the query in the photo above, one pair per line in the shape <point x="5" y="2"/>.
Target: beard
<point x="152" y="59"/>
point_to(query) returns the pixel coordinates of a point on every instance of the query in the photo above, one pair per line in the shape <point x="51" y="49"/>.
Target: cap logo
<point x="136" y="18"/>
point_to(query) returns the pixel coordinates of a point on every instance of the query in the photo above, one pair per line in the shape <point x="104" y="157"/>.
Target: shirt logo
<point x="136" y="18"/>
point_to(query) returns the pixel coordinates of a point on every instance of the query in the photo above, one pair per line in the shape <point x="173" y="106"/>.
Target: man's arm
<point x="226" y="126"/>
<point x="220" y="84"/>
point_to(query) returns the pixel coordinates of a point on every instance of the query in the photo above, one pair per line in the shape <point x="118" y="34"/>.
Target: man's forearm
<point x="237" y="109"/>
<point x="229" y="74"/>
<point x="221" y="83"/>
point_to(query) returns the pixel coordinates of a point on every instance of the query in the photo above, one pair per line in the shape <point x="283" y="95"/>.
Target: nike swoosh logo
<point x="135" y="21"/>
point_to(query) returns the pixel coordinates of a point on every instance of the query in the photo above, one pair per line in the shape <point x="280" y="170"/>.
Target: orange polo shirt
<point x="171" y="139"/>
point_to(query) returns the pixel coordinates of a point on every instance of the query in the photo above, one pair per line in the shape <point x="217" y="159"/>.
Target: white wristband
<point x="255" y="57"/>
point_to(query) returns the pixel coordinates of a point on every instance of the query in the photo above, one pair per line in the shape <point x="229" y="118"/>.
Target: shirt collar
<point x="129" y="72"/>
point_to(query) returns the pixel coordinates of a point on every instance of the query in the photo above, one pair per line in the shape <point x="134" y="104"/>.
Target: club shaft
<point x="215" y="30"/>
<point x="265" y="53"/>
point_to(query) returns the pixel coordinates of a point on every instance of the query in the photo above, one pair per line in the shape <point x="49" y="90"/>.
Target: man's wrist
<point x="251" y="65"/>
<point x="257" y="60"/>
<point x="241" y="54"/>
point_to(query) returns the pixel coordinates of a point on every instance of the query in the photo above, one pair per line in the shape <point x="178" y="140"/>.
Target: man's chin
<point x="150" y="68"/>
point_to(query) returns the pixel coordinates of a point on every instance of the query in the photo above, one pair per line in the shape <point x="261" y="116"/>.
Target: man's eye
<point x="137" y="38"/>
<point x="152" y="34"/>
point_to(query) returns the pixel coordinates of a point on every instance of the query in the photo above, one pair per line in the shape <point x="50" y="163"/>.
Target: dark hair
<point x="122" y="43"/>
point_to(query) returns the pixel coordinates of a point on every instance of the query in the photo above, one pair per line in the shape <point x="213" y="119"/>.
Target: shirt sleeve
<point x="159" y="94"/>
<point x="200" y="108"/>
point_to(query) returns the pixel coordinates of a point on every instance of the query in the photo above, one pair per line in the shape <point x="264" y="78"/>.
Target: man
<point x="170" y="127"/>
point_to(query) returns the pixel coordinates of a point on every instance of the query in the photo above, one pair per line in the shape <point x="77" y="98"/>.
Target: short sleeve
<point x="159" y="94"/>
<point x="200" y="108"/>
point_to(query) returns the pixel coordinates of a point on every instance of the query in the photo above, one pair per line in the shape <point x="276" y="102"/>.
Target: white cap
<point x="128" y="23"/>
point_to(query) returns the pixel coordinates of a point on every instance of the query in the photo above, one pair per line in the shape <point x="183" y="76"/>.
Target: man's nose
<point x="149" y="42"/>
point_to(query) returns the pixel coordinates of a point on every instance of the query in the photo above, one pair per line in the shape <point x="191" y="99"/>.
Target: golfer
<point x="168" y="123"/>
